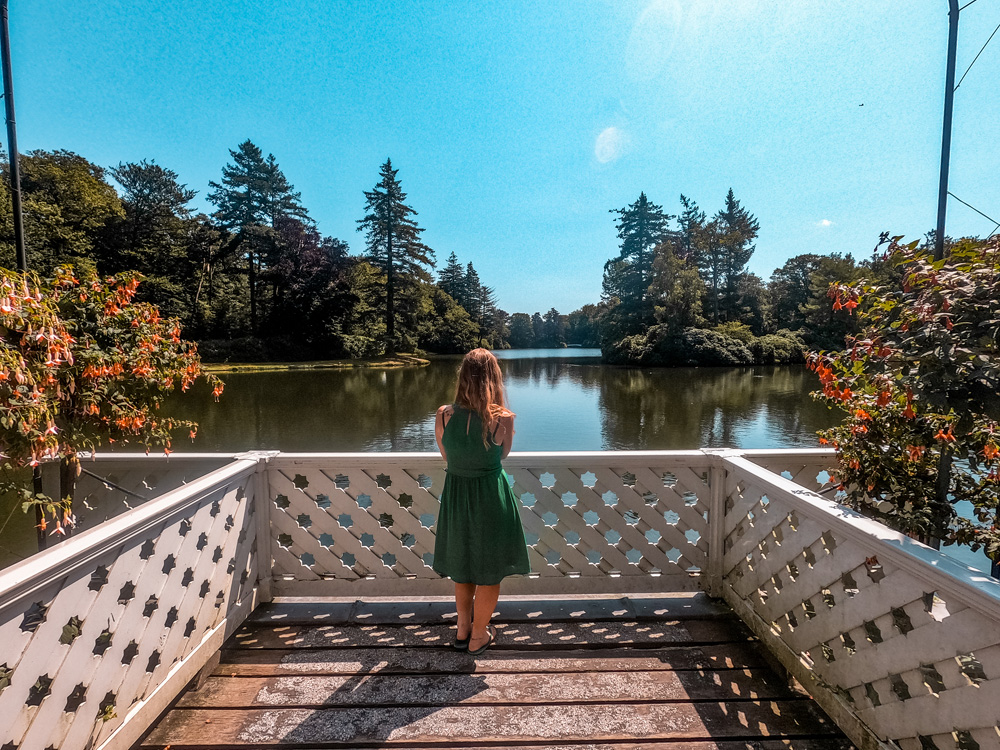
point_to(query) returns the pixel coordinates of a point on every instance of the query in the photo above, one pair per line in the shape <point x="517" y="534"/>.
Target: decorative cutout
<point x="628" y="479"/>
<point x="404" y="500"/>
<point x="326" y="539"/>
<point x="872" y="633"/>
<point x="169" y="563"/>
<point x="342" y="481"/>
<point x="281" y="502"/>
<point x="364" y="501"/>
<point x="107" y="706"/>
<point x="690" y="499"/>
<point x="634" y="556"/>
<point x="217" y="555"/>
<point x="189" y="628"/>
<point x="671" y="517"/>
<point x="829" y="543"/>
<point x="932" y="678"/>
<point x="428" y="559"/>
<point x="901" y="620"/>
<point x="552" y="557"/>
<point x="388" y="560"/>
<point x="130" y="652"/>
<point x="154" y="661"/>
<point x="572" y="538"/>
<point x="827" y="652"/>
<point x="692" y="536"/>
<point x="407" y="540"/>
<point x="103" y="643"/>
<point x="569" y="499"/>
<point x="220" y="599"/>
<point x="669" y="479"/>
<point x="631" y="517"/>
<point x="848" y="642"/>
<point x="593" y="557"/>
<point x="38" y="691"/>
<point x="424" y="481"/>
<point x="850" y="585"/>
<point x="550" y="519"/>
<point x="872" y="694"/>
<point x="384" y="481"/>
<point x="184" y="527"/>
<point x="591" y="518"/>
<point x="899" y="687"/>
<point x="874" y="569"/>
<point x="547" y="479"/>
<point x="530" y="539"/>
<point x="528" y="500"/>
<point x="216" y="509"/>
<point x="202" y="541"/>
<point x="188" y="577"/>
<point x="76" y="698"/>
<point x="229" y="523"/>
<point x="964" y="740"/>
<point x="5" y="676"/>
<point x="304" y="520"/>
<point x="34" y="617"/>
<point x="610" y="498"/>
<point x="205" y="586"/>
<point x="971" y="667"/>
<point x="588" y="479"/>
<point x="98" y="578"/>
<point x="385" y="520"/>
<point x="345" y="521"/>
<point x="127" y="593"/>
<point x="71" y="631"/>
<point x="650" y="498"/>
<point x="231" y="566"/>
<point x="367" y="540"/>
<point x="300" y="482"/>
<point x="147" y="549"/>
<point x="612" y="537"/>
<point x="171" y="617"/>
<point x="926" y="743"/>
<point x="348" y="559"/>
<point x="322" y="501"/>
<point x="427" y="520"/>
<point x="828" y="599"/>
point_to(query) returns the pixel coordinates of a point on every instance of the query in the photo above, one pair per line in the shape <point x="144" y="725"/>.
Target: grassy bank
<point x="385" y="363"/>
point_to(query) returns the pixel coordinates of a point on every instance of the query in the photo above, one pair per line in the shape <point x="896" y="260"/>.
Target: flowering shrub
<point x="920" y="386"/>
<point x="82" y="365"/>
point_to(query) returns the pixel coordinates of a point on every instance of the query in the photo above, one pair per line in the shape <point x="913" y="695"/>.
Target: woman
<point x="479" y="536"/>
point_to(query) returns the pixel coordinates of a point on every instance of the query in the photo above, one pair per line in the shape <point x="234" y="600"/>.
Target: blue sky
<point x="517" y="125"/>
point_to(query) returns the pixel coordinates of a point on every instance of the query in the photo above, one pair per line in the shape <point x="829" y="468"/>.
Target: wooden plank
<point x="509" y="635"/>
<point x="499" y="724"/>
<point x="274" y="662"/>
<point x="365" y="689"/>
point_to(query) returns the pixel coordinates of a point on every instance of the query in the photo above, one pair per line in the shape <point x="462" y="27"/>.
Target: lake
<point x="565" y="399"/>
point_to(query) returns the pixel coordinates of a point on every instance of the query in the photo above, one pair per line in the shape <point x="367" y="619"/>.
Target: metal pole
<point x="949" y="96"/>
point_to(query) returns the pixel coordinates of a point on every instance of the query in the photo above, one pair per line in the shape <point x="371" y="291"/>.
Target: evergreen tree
<point x="393" y="240"/>
<point x="451" y="278"/>
<point x="251" y="196"/>
<point x="641" y="227"/>
<point x="676" y="288"/>
<point x="538" y="329"/>
<point x="690" y="223"/>
<point x="522" y="334"/>
<point x="471" y="297"/>
<point x="555" y="329"/>
<point x="737" y="231"/>
<point x="789" y="288"/>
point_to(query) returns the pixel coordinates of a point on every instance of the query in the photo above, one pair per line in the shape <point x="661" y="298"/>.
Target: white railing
<point x="900" y="644"/>
<point x="99" y="633"/>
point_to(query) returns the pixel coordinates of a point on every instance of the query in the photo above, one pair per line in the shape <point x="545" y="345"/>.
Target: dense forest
<point x="256" y="280"/>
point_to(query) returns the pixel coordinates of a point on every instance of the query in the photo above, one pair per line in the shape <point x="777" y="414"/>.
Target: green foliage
<point x="919" y="383"/>
<point x="82" y="365"/>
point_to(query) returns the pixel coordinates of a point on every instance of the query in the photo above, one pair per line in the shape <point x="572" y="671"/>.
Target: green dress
<point x="479" y="535"/>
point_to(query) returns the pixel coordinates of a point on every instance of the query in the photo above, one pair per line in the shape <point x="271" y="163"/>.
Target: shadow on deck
<point x="596" y="673"/>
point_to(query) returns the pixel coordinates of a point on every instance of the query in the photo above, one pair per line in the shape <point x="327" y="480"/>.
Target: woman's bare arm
<point x="505" y="434"/>
<point x="440" y="420"/>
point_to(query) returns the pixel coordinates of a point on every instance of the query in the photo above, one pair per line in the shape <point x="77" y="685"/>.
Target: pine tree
<point x="641" y="227"/>
<point x="393" y="240"/>
<point x="251" y="196"/>
<point x="690" y="222"/>
<point x="738" y="229"/>
<point x="452" y="277"/>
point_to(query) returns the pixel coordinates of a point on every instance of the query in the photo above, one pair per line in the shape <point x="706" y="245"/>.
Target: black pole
<point x="949" y="96"/>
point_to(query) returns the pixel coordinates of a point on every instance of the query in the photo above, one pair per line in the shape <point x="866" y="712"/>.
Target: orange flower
<point x="908" y="412"/>
<point x="916" y="452"/>
<point x="945" y="434"/>
<point x="854" y="464"/>
<point x="823" y="441"/>
<point x="883" y="398"/>
<point x="862" y="414"/>
<point x="990" y="451"/>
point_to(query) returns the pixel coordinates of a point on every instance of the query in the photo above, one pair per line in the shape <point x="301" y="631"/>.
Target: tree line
<point x="255" y="279"/>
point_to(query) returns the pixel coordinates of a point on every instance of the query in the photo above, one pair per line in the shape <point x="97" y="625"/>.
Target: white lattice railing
<point x="896" y="641"/>
<point x="594" y="522"/>
<point x="100" y="633"/>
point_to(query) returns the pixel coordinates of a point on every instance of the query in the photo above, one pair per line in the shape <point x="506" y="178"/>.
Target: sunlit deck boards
<point x="635" y="673"/>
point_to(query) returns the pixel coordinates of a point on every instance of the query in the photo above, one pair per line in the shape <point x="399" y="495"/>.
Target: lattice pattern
<point x="81" y="649"/>
<point x="590" y="518"/>
<point x="810" y="469"/>
<point x="901" y="646"/>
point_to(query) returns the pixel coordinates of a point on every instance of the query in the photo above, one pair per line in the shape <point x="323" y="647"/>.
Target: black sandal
<point x="492" y="633"/>
<point x="461" y="644"/>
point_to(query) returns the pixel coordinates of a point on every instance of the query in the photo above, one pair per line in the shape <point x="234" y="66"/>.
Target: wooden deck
<point x="637" y="673"/>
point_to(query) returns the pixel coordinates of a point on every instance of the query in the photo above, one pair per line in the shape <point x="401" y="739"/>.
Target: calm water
<point x="564" y="399"/>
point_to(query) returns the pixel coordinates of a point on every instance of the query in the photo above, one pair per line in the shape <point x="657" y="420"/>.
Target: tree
<point x="555" y="329"/>
<point x="522" y="333"/>
<point x="82" y="364"/>
<point x="791" y="291"/>
<point x="641" y="227"/>
<point x="252" y="195"/>
<point x="676" y="289"/>
<point x="825" y="326"/>
<point x="451" y="278"/>
<point x="583" y="326"/>
<point x="538" y="329"/>
<point x="393" y="240"/>
<point x="919" y="385"/>
<point x="690" y="223"/>
<point x="724" y="254"/>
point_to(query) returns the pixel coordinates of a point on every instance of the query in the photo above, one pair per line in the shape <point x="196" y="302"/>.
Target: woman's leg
<point x="486" y="602"/>
<point x="464" y="595"/>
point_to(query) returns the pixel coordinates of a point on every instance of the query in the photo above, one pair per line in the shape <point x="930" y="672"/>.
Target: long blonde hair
<point x="480" y="389"/>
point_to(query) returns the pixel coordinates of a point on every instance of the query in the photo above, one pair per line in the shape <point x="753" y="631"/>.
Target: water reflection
<point x="570" y="402"/>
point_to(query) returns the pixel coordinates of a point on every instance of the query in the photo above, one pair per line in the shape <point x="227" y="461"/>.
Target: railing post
<point x="717" y="517"/>
<point x="262" y="513"/>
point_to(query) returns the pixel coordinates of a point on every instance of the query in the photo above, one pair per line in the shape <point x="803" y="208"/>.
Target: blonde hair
<point x="480" y="389"/>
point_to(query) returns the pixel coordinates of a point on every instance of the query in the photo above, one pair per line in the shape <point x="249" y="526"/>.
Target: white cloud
<point x="610" y="145"/>
<point x="824" y="223"/>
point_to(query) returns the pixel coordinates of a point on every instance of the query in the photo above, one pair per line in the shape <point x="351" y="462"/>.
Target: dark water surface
<point x="564" y="399"/>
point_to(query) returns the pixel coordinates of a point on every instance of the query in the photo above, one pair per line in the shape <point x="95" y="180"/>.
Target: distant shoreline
<point x="382" y="363"/>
